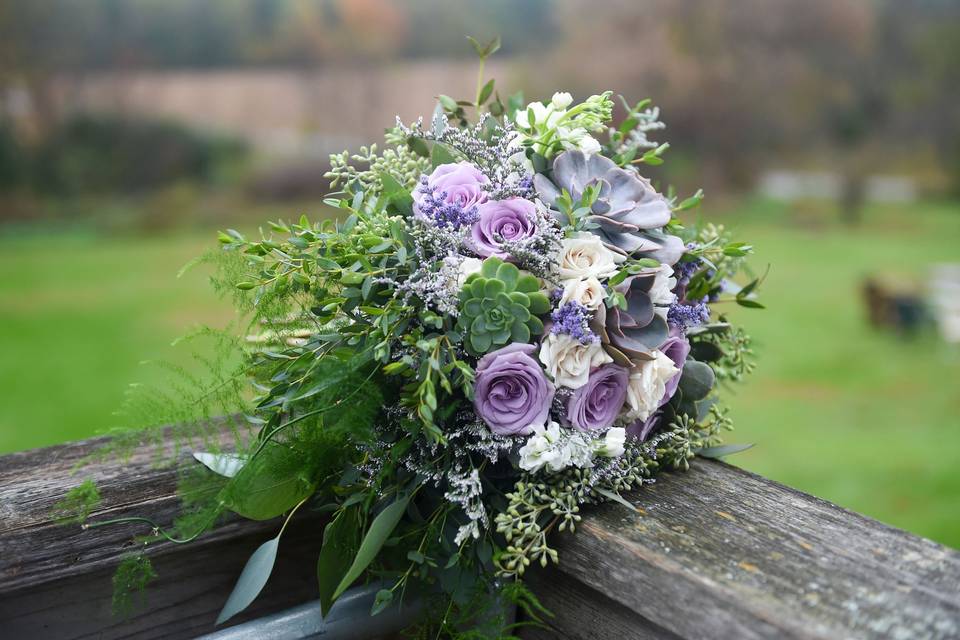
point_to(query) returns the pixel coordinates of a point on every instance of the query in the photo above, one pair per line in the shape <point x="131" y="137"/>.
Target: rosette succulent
<point x="631" y="333"/>
<point x="628" y="211"/>
<point x="500" y="305"/>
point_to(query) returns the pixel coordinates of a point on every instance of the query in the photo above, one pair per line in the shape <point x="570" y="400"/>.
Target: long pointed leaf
<point x="723" y="450"/>
<point x="252" y="580"/>
<point x="340" y="543"/>
<point x="224" y="464"/>
<point x="616" y="497"/>
<point x="381" y="528"/>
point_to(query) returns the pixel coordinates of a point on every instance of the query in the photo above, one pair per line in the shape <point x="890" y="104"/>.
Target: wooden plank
<point x="719" y="552"/>
<point x="55" y="580"/>
<point x="715" y="552"/>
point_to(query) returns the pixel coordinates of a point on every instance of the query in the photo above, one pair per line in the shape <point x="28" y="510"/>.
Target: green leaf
<point x="340" y="543"/>
<point x="252" y="580"/>
<point x="381" y="601"/>
<point x="615" y="497"/>
<point x="528" y="283"/>
<point x="448" y="103"/>
<point x="539" y="303"/>
<point x="440" y="154"/>
<point x="381" y="528"/>
<point x="723" y="450"/>
<point x="485" y="93"/>
<point x="697" y="380"/>
<point x="269" y="485"/>
<point x="749" y="304"/>
<point x="227" y="465"/>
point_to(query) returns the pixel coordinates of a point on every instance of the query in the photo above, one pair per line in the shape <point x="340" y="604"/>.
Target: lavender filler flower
<point x="451" y="195"/>
<point x="574" y="319"/>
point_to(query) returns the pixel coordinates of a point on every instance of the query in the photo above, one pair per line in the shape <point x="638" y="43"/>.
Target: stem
<point x="476" y="101"/>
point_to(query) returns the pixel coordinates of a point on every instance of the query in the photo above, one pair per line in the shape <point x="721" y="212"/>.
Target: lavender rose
<point x="499" y="220"/>
<point x="677" y="349"/>
<point x="597" y="404"/>
<point x="511" y="392"/>
<point x="451" y="194"/>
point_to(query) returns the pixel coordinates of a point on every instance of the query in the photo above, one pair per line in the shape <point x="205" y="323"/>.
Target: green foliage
<point x="252" y="579"/>
<point x="500" y="305"/>
<point x="79" y="502"/>
<point x="130" y="582"/>
<point x="341" y="541"/>
<point x="270" y="484"/>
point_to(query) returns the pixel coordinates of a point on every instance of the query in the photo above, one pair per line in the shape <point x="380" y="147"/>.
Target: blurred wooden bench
<point x="713" y="553"/>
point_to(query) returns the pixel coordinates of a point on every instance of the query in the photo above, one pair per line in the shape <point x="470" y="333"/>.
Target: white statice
<point x="661" y="292"/>
<point x="648" y="384"/>
<point x="588" y="292"/>
<point x="466" y="490"/>
<point x="584" y="256"/>
<point x="568" y="361"/>
<point x="613" y="443"/>
<point x="556" y="449"/>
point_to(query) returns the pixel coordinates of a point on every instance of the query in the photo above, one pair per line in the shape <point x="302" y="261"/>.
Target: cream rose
<point x="661" y="292"/>
<point x="584" y="256"/>
<point x="585" y="291"/>
<point x="648" y="385"/>
<point x="467" y="267"/>
<point x="568" y="361"/>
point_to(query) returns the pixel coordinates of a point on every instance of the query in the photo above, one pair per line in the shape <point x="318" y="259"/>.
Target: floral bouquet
<point x="500" y="322"/>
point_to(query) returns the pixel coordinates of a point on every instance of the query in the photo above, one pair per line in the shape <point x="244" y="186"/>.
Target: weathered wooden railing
<point x="713" y="553"/>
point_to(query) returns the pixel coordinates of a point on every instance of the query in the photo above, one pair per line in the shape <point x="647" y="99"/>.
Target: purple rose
<point x="511" y="392"/>
<point x="597" y="404"/>
<point x="451" y="191"/>
<point x="677" y="349"/>
<point x="499" y="220"/>
<point x="641" y="429"/>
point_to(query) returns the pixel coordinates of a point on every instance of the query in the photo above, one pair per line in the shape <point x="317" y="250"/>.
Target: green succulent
<point x="499" y="306"/>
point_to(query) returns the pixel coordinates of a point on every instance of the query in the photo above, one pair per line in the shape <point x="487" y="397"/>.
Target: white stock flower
<point x="612" y="445"/>
<point x="543" y="115"/>
<point x="584" y="255"/>
<point x="556" y="449"/>
<point x="661" y="292"/>
<point x="568" y="361"/>
<point x="648" y="384"/>
<point x="588" y="144"/>
<point x="561" y="100"/>
<point x="585" y="291"/>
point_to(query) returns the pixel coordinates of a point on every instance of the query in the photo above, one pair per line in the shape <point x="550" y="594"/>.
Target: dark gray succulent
<point x="631" y="334"/>
<point x="629" y="213"/>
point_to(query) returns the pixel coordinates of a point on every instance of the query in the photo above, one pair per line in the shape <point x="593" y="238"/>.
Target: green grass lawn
<point x="865" y="419"/>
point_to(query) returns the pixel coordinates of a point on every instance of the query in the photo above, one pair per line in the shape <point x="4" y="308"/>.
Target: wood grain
<point x="713" y="553"/>
<point x="55" y="580"/>
<point x="722" y="553"/>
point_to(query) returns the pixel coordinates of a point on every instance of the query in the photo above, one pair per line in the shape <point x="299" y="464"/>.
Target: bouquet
<point x="501" y="322"/>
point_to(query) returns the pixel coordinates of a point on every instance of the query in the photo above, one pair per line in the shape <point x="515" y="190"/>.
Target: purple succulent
<point x="631" y="333"/>
<point x="629" y="213"/>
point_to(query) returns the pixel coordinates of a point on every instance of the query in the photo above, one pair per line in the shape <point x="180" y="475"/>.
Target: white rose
<point x="661" y="292"/>
<point x="561" y="100"/>
<point x="466" y="268"/>
<point x="568" y="361"/>
<point x="612" y="445"/>
<point x="648" y="384"/>
<point x="584" y="255"/>
<point x="586" y="291"/>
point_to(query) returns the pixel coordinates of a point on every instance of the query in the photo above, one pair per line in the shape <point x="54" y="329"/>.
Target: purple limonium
<point x="574" y="319"/>
<point x="596" y="404"/>
<point x="511" y="393"/>
<point x="683" y="315"/>
<point x="451" y="195"/>
<point x="510" y="220"/>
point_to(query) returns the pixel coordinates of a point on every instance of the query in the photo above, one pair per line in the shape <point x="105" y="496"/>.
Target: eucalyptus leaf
<point x="381" y="528"/>
<point x="340" y="543"/>
<point x="697" y="380"/>
<point x="269" y="485"/>
<point x="252" y="580"/>
<point x="616" y="497"/>
<point x="225" y="464"/>
<point x="382" y="600"/>
<point x="723" y="450"/>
